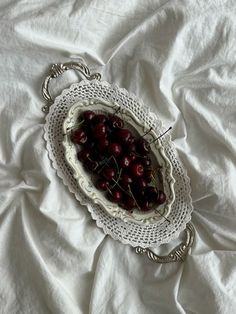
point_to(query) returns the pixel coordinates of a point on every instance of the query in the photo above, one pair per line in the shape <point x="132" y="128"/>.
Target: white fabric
<point x="179" y="58"/>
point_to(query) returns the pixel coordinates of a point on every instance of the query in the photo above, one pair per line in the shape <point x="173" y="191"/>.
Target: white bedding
<point x="179" y="57"/>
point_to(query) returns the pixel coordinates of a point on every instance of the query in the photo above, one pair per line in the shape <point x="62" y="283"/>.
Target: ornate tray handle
<point x="59" y="68"/>
<point x="178" y="254"/>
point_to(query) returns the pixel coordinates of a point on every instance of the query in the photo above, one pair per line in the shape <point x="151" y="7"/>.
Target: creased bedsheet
<point x="179" y="57"/>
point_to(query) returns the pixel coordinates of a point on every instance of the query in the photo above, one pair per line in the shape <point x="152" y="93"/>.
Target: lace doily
<point x="128" y="233"/>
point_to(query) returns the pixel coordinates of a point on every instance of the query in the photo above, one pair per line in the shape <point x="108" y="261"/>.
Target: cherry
<point x="125" y="161"/>
<point x="146" y="162"/>
<point x="148" y="175"/>
<point x="141" y="183"/>
<point x="161" y="197"/>
<point x="116" y="196"/>
<point x="145" y="205"/>
<point x="99" y="130"/>
<point x="115" y="122"/>
<point x="137" y="170"/>
<point x="151" y="193"/>
<point x="132" y="156"/>
<point x="100" y="118"/>
<point x="143" y="146"/>
<point x="125" y="180"/>
<point x="123" y="135"/>
<point x="129" y="203"/>
<point x="131" y="140"/>
<point x="102" y="144"/>
<point x="84" y="154"/>
<point x="131" y="147"/>
<point x="88" y="115"/>
<point x="115" y="149"/>
<point x="102" y="185"/>
<point x="109" y="173"/>
<point x="79" y="136"/>
<point x="91" y="165"/>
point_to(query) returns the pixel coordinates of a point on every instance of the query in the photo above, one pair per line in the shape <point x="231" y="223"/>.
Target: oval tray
<point x="85" y="180"/>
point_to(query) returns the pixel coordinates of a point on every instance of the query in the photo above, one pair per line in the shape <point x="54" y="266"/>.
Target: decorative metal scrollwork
<point x="178" y="254"/>
<point x="58" y="69"/>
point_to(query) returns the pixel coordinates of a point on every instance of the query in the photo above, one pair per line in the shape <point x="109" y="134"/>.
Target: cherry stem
<point x="117" y="110"/>
<point x="133" y="197"/>
<point x="73" y="127"/>
<point x="105" y="164"/>
<point x="118" y="178"/>
<point x="162" y="215"/>
<point x="161" y="135"/>
<point x="147" y="132"/>
<point x="121" y="187"/>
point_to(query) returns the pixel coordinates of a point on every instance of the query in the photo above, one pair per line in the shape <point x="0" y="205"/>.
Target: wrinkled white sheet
<point x="180" y="58"/>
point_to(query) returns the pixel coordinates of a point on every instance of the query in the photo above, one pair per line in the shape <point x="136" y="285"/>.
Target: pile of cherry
<point x="120" y="161"/>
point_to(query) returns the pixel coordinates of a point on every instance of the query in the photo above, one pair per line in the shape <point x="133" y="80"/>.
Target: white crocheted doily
<point x="128" y="233"/>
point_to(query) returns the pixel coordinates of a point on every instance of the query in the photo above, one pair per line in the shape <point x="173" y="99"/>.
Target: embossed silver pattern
<point x="178" y="254"/>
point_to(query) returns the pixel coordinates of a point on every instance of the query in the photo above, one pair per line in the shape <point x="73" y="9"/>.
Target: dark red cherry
<point x="115" y="149"/>
<point x="161" y="197"/>
<point x="88" y="115"/>
<point x="141" y="183"/>
<point x="91" y="165"/>
<point x="125" y="161"/>
<point x="102" y="185"/>
<point x="146" y="162"/>
<point x="148" y="175"/>
<point x="137" y="170"/>
<point x="131" y="147"/>
<point x="84" y="154"/>
<point x="143" y="146"/>
<point x="115" y="122"/>
<point x="123" y="135"/>
<point x="132" y="156"/>
<point x="79" y="136"/>
<point x="100" y="118"/>
<point x="99" y="130"/>
<point x="108" y="173"/>
<point x="131" y="140"/>
<point x="145" y="205"/>
<point x="102" y="144"/>
<point x="151" y="193"/>
<point x="116" y="196"/>
<point x="129" y="203"/>
<point x="125" y="180"/>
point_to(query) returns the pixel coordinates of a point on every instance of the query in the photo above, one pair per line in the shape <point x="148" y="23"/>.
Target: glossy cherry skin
<point x="132" y="156"/>
<point x="115" y="122"/>
<point x="125" y="161"/>
<point x="109" y="173"/>
<point x="145" y="205"/>
<point x="99" y="130"/>
<point x="125" y="180"/>
<point x="123" y="135"/>
<point x="84" y="154"/>
<point x="88" y="115"/>
<point x="146" y="162"/>
<point x="115" y="149"/>
<point x="143" y="146"/>
<point x="100" y="118"/>
<point x="137" y="170"/>
<point x="102" y="185"/>
<point x="161" y="197"/>
<point x="131" y="147"/>
<point x="129" y="203"/>
<point x="141" y="183"/>
<point x="102" y="144"/>
<point x="116" y="196"/>
<point x="79" y="136"/>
